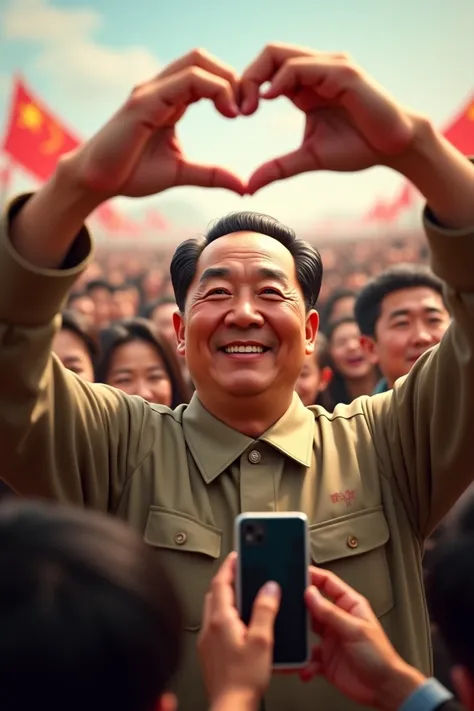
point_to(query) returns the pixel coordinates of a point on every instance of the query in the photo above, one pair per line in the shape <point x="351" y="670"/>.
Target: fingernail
<point x="314" y="593"/>
<point x="246" y="106"/>
<point x="272" y="589"/>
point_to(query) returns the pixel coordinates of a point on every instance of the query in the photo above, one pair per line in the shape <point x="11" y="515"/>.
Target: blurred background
<point x="66" y="65"/>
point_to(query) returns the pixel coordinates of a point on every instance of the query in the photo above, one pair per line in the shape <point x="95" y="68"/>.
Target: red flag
<point x="156" y="221"/>
<point x="461" y="131"/>
<point x="35" y="138"/>
<point x="109" y="218"/>
<point x="114" y="221"/>
<point x="381" y="212"/>
<point x="406" y="196"/>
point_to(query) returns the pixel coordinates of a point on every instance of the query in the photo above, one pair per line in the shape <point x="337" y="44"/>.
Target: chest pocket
<point x="354" y="548"/>
<point x="190" y="551"/>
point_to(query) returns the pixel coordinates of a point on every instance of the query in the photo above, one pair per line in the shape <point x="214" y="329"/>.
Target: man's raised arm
<point x="60" y="437"/>
<point x="423" y="432"/>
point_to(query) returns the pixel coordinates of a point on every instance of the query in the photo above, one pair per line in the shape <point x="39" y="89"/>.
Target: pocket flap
<point x="179" y="532"/>
<point x="349" y="536"/>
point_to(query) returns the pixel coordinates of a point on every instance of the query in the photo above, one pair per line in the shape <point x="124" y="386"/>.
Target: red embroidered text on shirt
<point x="346" y="497"/>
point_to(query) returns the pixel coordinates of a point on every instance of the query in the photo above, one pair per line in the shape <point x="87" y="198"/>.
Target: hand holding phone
<point x="236" y="660"/>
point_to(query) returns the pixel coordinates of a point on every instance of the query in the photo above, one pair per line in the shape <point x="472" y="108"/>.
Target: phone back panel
<point x="275" y="547"/>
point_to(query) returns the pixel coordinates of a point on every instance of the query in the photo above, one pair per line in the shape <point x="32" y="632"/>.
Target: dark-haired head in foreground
<point x="450" y="592"/>
<point x="246" y="294"/>
<point x="401" y="314"/>
<point x="89" y="618"/>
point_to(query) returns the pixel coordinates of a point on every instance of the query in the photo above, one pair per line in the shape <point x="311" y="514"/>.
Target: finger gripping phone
<point x="274" y="546"/>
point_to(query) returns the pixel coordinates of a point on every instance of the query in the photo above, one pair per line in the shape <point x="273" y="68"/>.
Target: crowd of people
<point x="176" y="390"/>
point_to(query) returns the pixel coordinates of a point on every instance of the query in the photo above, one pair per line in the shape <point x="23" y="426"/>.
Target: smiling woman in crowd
<point x="76" y="346"/>
<point x="353" y="374"/>
<point x="138" y="360"/>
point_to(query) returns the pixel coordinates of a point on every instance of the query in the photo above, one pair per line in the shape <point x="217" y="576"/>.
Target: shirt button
<point x="254" y="457"/>
<point x="180" y="538"/>
<point x="352" y="542"/>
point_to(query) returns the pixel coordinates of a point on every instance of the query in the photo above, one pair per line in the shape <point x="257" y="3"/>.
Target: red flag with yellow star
<point x="35" y="137"/>
<point x="461" y="131"/>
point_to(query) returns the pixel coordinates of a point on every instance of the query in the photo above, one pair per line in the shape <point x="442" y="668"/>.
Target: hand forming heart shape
<point x="351" y="124"/>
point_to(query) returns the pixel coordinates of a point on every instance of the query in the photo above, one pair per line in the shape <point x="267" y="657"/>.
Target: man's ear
<point x="179" y="329"/>
<point x="369" y="347"/>
<point x="464" y="685"/>
<point x="311" y="331"/>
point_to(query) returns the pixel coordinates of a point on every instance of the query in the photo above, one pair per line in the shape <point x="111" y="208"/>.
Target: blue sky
<point x="83" y="58"/>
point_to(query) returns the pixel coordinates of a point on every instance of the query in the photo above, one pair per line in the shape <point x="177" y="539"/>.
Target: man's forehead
<point x="250" y="247"/>
<point x="412" y="299"/>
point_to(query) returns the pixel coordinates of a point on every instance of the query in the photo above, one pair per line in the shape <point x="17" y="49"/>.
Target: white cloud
<point x="68" y="52"/>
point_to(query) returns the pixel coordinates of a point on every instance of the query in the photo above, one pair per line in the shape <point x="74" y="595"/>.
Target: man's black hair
<point x="98" y="284"/>
<point x="89" y="618"/>
<point x="309" y="269"/>
<point x="151" y="306"/>
<point x="402" y="276"/>
<point x="450" y="592"/>
<point x="335" y="296"/>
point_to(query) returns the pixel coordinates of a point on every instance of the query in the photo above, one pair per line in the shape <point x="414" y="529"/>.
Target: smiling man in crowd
<point x="374" y="478"/>
<point x="401" y="314"/>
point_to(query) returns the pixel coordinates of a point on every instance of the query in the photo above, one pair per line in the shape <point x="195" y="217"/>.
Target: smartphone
<point x="274" y="546"/>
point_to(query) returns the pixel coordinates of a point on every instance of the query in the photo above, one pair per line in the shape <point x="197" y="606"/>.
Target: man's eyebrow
<point x="277" y="274"/>
<point x="214" y="273"/>
<point x="406" y="312"/>
<point x="262" y="272"/>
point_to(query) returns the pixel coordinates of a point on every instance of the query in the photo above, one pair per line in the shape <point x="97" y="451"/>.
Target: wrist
<point x="425" y="142"/>
<point x="73" y="190"/>
<point x="237" y="700"/>
<point x="401" y="682"/>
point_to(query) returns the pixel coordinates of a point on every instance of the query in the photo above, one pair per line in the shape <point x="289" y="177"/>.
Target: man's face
<point x="245" y="331"/>
<point x="162" y="317"/>
<point x="411" y="321"/>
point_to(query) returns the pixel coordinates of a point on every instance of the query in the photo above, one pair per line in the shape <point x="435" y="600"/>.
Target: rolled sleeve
<point x="29" y="295"/>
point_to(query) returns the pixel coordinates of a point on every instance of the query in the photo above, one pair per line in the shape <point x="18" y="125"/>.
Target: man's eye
<point x="271" y="290"/>
<point x="218" y="291"/>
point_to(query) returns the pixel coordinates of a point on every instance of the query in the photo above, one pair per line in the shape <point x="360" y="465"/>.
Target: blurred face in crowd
<point x="342" y="308"/>
<point x="73" y="354"/>
<point x="85" y="306"/>
<point x="137" y="369"/>
<point x="312" y="380"/>
<point x="346" y="352"/>
<point x="162" y="317"/>
<point x="411" y="321"/>
<point x="246" y="331"/>
<point x="123" y="304"/>
<point x="102" y="299"/>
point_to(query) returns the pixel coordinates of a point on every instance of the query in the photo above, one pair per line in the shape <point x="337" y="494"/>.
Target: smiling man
<point x="401" y="314"/>
<point x="374" y="478"/>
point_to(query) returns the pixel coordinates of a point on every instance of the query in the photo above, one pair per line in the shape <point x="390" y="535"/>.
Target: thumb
<point x="264" y="612"/>
<point x="327" y="614"/>
<point x="209" y="176"/>
<point x="286" y="166"/>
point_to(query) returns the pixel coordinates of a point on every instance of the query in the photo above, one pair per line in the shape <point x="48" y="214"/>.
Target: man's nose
<point x="421" y="334"/>
<point x="244" y="314"/>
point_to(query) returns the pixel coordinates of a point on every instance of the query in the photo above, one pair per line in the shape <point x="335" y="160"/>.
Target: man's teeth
<point x="244" y="349"/>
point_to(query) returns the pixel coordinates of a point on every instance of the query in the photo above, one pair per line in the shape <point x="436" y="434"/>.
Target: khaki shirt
<point x="374" y="477"/>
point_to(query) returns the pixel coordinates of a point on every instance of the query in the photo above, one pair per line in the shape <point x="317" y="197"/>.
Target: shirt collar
<point x="214" y="445"/>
